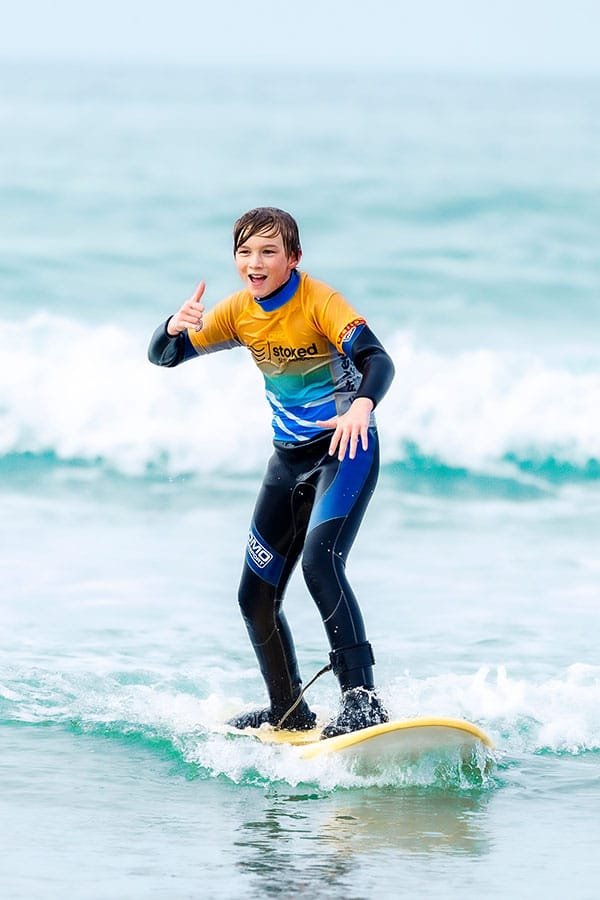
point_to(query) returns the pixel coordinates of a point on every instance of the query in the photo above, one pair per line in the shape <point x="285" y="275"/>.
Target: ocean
<point x="461" y="215"/>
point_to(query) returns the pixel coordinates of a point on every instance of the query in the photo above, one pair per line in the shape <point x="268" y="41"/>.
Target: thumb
<point x="199" y="291"/>
<point x="328" y="423"/>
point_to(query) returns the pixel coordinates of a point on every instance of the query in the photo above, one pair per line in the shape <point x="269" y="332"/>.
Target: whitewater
<point x="482" y="410"/>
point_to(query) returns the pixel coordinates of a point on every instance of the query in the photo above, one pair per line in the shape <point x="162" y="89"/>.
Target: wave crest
<point x="77" y="393"/>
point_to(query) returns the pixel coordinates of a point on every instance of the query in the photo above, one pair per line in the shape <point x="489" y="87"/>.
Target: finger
<point x="327" y="423"/>
<point x="192" y="312"/>
<point x="198" y="315"/>
<point x="194" y="309"/>
<point x="364" y="437"/>
<point x="189" y="321"/>
<point x="343" y="445"/>
<point x="334" y="442"/>
<point x="353" y="444"/>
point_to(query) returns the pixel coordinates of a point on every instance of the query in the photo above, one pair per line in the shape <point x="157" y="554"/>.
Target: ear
<point x="294" y="259"/>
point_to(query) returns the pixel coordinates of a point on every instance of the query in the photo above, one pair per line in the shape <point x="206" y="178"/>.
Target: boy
<point x="324" y="370"/>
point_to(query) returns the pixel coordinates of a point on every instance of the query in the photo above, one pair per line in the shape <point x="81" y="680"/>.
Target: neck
<point x="282" y="294"/>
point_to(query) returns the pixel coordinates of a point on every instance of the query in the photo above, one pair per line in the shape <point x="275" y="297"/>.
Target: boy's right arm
<point x="170" y="344"/>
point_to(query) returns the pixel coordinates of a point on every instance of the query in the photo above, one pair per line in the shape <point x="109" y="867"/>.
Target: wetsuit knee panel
<point x="256" y="598"/>
<point x="318" y="560"/>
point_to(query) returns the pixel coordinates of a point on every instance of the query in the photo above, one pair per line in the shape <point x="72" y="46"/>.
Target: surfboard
<point x="400" y="742"/>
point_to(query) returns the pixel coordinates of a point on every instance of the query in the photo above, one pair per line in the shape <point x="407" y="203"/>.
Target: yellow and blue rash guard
<point x="306" y="340"/>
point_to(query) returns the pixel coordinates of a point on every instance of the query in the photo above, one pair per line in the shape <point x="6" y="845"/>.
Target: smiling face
<point x="263" y="263"/>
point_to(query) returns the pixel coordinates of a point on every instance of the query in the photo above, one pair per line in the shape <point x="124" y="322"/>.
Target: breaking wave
<point x="71" y="394"/>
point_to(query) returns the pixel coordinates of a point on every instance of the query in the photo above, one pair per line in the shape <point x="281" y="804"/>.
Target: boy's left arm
<point x="374" y="364"/>
<point x="377" y="370"/>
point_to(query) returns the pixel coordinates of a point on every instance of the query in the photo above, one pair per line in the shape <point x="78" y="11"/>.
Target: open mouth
<point x="257" y="279"/>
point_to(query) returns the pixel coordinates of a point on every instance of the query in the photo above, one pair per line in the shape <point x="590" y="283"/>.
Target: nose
<point x="255" y="261"/>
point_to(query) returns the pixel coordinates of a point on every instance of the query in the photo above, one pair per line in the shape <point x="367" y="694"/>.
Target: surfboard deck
<point x="400" y="741"/>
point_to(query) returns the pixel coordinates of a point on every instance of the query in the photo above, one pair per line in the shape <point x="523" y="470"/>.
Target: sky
<point x="498" y="35"/>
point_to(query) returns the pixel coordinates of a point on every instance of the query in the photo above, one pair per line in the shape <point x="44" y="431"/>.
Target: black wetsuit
<point x="312" y="504"/>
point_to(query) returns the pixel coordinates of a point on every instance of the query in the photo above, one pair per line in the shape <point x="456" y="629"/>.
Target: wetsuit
<point x="316" y="355"/>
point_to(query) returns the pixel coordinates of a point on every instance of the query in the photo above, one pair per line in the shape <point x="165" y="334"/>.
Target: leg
<point x="275" y="540"/>
<point x="343" y="494"/>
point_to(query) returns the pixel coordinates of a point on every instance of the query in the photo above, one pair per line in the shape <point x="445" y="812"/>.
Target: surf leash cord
<point x="296" y="702"/>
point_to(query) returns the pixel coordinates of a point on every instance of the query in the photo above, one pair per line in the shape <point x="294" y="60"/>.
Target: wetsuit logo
<point x="348" y="331"/>
<point x="259" y="554"/>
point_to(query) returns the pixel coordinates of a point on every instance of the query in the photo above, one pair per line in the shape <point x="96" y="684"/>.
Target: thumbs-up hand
<point x="190" y="315"/>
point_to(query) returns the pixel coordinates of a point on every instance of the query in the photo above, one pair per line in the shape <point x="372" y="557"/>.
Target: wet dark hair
<point x="268" y="220"/>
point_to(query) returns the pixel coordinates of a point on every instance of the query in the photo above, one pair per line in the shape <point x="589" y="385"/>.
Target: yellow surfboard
<point x="405" y="740"/>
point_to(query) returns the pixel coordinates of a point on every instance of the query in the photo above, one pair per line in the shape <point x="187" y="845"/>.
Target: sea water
<point x="462" y="217"/>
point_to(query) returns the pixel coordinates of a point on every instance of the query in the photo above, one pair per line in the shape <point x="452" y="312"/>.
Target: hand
<point x="190" y="314"/>
<point x="353" y="425"/>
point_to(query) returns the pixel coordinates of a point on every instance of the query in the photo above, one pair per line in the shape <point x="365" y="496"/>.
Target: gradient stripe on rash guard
<point x="288" y="422"/>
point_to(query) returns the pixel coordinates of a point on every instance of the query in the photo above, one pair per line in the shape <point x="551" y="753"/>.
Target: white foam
<point x="522" y="714"/>
<point x="475" y="408"/>
<point x="88" y="393"/>
<point x="560" y="714"/>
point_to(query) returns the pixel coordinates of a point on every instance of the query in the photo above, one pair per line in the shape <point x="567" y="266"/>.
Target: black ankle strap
<point x="347" y="658"/>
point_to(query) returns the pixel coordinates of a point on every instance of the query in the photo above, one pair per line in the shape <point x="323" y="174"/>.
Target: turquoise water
<point x="462" y="216"/>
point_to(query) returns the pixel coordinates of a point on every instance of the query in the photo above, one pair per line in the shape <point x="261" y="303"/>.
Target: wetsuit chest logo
<point x="260" y="351"/>
<point x="264" y="351"/>
<point x="282" y="352"/>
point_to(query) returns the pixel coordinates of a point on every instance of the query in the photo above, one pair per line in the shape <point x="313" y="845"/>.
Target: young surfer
<point x="324" y="371"/>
